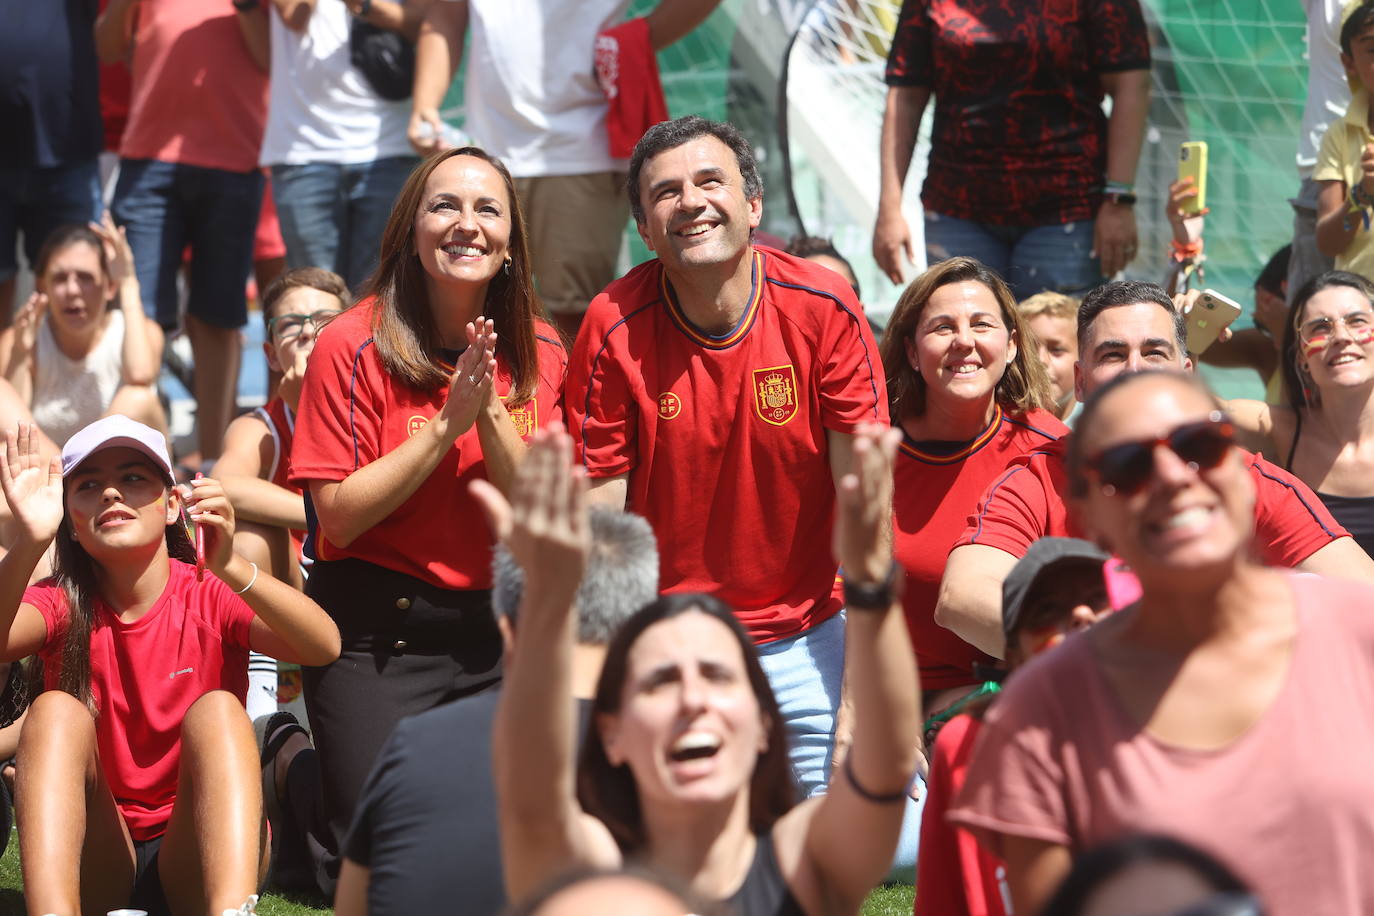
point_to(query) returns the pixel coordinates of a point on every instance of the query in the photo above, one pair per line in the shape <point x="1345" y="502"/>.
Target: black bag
<point x="384" y="57"/>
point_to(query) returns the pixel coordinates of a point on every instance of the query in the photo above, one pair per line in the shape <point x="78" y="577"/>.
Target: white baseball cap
<point x="116" y="431"/>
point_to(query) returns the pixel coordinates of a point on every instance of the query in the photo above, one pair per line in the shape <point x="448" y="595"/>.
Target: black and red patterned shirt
<point x="1019" y="136"/>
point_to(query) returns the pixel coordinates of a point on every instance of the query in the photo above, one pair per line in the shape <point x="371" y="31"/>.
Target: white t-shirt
<point x="1328" y="93"/>
<point x="531" y="95"/>
<point x="321" y="107"/>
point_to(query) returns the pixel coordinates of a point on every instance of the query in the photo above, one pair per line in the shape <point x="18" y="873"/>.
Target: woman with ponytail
<point x="139" y="780"/>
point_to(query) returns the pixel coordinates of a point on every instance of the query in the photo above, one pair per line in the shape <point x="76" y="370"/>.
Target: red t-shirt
<point x="281" y="423"/>
<point x="937" y="486"/>
<point x="724" y="438"/>
<point x="1026" y="502"/>
<point x="353" y="412"/>
<point x="198" y="97"/>
<point x="145" y="675"/>
<point x="954" y="875"/>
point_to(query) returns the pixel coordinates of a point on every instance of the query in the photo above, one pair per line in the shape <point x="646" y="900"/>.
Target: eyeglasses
<point x="1127" y="467"/>
<point x="1316" y="333"/>
<point x="289" y="327"/>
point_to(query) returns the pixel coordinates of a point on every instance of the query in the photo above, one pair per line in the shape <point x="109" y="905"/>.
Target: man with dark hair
<point x="716" y="390"/>
<point x="425" y="831"/>
<point x="1123" y="327"/>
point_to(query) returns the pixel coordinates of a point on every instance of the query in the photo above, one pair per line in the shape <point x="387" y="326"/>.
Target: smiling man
<point x="1122" y="327"/>
<point x="715" y="390"/>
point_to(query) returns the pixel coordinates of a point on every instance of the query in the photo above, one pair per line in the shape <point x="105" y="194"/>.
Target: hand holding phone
<point x="1192" y="165"/>
<point x="1210" y="315"/>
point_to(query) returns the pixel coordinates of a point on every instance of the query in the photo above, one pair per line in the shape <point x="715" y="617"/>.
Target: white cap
<point x="116" y="431"/>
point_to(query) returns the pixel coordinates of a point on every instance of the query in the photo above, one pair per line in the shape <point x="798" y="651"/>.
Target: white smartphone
<point x="1210" y="315"/>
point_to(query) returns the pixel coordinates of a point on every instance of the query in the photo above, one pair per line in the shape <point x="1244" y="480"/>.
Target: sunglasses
<point x="1127" y="467"/>
<point x="290" y="326"/>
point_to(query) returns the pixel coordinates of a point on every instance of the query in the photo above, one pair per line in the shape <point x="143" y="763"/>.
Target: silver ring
<point x="472" y="380"/>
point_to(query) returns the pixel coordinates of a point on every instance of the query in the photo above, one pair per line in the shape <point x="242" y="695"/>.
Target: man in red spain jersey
<point x="715" y="390"/>
<point x="1122" y="327"/>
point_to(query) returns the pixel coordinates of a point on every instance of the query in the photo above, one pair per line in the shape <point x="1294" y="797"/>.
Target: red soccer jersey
<point x="954" y="875"/>
<point x="937" y="486"/>
<point x="724" y="438"/>
<point x="352" y="412"/>
<point x="280" y="420"/>
<point x="145" y="675"/>
<point x="1026" y="502"/>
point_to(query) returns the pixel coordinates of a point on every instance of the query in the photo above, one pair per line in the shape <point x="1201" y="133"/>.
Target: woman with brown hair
<point x="436" y="378"/>
<point x="970" y="395"/>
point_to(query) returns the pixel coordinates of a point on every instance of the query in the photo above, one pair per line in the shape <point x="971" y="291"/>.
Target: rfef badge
<point x="525" y="418"/>
<point x="775" y="394"/>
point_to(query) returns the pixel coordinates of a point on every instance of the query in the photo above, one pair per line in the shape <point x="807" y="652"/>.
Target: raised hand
<point x="118" y="255"/>
<point x="33" y="487"/>
<point x="472" y="378"/>
<point x="27" y="320"/>
<point x="863" y="542"/>
<point x="208" y="506"/>
<point x="545" y="523"/>
<point x="1186" y="226"/>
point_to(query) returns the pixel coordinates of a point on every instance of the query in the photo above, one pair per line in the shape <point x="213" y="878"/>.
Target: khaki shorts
<point x="576" y="224"/>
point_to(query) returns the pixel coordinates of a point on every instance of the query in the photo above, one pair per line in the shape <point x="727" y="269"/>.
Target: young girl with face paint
<point x="1325" y="432"/>
<point x="139" y="779"/>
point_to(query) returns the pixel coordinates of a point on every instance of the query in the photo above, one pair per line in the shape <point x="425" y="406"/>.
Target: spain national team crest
<point x="775" y="394"/>
<point x="525" y="418"/>
<point x="415" y="424"/>
<point x="669" y="405"/>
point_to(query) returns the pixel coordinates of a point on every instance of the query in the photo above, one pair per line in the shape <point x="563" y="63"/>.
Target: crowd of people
<point x="691" y="590"/>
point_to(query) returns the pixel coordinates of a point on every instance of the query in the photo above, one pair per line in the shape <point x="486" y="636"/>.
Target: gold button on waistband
<point x="403" y="603"/>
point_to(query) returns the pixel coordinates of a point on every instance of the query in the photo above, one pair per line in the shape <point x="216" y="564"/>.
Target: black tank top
<point x="764" y="891"/>
<point x="1355" y="513"/>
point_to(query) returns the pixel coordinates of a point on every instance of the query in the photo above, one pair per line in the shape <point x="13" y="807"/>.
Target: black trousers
<point x="408" y="646"/>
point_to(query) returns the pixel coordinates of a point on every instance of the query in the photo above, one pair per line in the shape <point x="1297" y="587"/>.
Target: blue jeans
<point x="36" y="201"/>
<point x="1031" y="259"/>
<point x="333" y="215"/>
<point x="165" y="206"/>
<point x="806" y="672"/>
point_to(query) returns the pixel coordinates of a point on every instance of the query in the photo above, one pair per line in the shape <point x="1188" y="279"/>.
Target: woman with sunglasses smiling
<point x="1192" y="711"/>
<point x="1324" y="435"/>
<point x="436" y="378"/>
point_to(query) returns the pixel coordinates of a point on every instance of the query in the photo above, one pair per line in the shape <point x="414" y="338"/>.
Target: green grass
<point x="889" y="900"/>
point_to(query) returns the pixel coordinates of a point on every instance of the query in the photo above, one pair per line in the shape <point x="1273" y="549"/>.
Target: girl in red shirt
<point x="138" y="773"/>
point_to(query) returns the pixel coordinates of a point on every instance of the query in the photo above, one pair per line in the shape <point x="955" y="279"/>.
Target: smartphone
<point x="1192" y="163"/>
<point x="1208" y="317"/>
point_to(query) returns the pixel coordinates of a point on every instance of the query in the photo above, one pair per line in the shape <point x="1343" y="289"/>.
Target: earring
<point x="508" y="260"/>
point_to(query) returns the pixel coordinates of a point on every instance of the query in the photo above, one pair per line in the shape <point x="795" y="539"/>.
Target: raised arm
<point x="901" y="121"/>
<point x="545" y="526"/>
<point x="671" y="20"/>
<point x="970" y="600"/>
<point x="349" y="507"/>
<point x="395" y="17"/>
<point x="851" y="833"/>
<point x="289" y="626"/>
<point x="241" y="469"/>
<point x="253" y="29"/>
<point x="141" y="352"/>
<point x="33" y="489"/>
<point x="18" y="343"/>
<point x="295" y="14"/>
<point x="438" y="50"/>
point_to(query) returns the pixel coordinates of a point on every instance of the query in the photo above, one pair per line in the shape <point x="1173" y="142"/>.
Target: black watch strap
<point x="244" y="6"/>
<point x="872" y="596"/>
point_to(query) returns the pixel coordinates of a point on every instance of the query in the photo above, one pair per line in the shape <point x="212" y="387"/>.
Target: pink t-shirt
<point x="1289" y="805"/>
<point x="198" y="98"/>
<point x="145" y="675"/>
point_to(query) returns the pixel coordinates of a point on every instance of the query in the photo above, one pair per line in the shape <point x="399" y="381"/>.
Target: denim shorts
<point x="1031" y="259"/>
<point x="167" y="206"/>
<point x="36" y="201"/>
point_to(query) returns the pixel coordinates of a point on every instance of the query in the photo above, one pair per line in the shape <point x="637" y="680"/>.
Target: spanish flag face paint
<point x="1316" y="334"/>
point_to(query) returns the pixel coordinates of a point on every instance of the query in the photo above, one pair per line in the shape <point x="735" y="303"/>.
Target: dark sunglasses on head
<point x="1127" y="467"/>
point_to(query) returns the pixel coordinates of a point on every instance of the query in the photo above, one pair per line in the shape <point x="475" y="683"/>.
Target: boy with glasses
<point x="256" y="465"/>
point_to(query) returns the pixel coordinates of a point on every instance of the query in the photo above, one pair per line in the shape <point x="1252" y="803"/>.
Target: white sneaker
<point x="249" y="908"/>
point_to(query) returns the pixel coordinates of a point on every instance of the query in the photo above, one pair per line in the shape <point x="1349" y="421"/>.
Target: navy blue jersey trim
<point x="591" y="376"/>
<point x="868" y="358"/>
<point x="1035" y="429"/>
<point x="992" y="493"/>
<point x="1297" y="493"/>
<point x="352" y="382"/>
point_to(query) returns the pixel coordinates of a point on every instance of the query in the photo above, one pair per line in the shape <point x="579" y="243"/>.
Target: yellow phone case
<point x="1192" y="163"/>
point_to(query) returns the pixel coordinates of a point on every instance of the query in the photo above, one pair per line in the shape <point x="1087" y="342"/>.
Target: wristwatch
<point x="244" y="6"/>
<point x="872" y="596"/>
<point x="1125" y="198"/>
